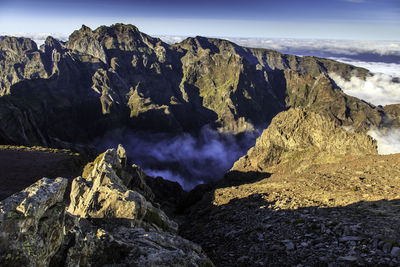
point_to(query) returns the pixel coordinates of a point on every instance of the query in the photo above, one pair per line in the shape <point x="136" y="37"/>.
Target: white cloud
<point x="170" y="39"/>
<point x="39" y="38"/>
<point x="185" y="158"/>
<point x="392" y="69"/>
<point x="379" y="89"/>
<point x="315" y="46"/>
<point x="388" y="140"/>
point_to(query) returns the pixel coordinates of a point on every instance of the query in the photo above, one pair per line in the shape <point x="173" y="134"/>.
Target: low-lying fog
<point x="187" y="159"/>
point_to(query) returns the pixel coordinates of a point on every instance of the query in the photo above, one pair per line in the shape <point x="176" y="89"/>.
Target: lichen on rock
<point x="31" y="224"/>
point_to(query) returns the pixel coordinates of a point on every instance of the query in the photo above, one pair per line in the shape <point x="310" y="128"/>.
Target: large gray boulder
<point x="31" y="224"/>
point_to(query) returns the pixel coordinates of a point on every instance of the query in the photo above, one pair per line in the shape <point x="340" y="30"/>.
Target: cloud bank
<point x="39" y="38"/>
<point x="187" y="159"/>
<point x="171" y="39"/>
<point x="379" y="89"/>
<point x="391" y="69"/>
<point x="388" y="140"/>
<point x="348" y="50"/>
<point x="326" y="48"/>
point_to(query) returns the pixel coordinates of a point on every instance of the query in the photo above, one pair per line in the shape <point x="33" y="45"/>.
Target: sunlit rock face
<point x="300" y="138"/>
<point x="103" y="195"/>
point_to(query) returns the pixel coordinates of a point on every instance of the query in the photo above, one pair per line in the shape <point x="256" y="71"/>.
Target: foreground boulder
<point x="112" y="219"/>
<point x="31" y="224"/>
<point x="103" y="195"/>
<point x="100" y="243"/>
<point x="108" y="223"/>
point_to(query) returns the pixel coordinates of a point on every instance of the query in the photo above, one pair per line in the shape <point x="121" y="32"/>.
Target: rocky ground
<point x="330" y="215"/>
<point x="303" y="196"/>
<point x="22" y="166"/>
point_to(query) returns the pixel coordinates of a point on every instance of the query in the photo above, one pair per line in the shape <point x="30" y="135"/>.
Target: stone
<point x="395" y="252"/>
<point x="105" y="224"/>
<point x="387" y="247"/>
<point x="127" y="246"/>
<point x="350" y="238"/>
<point x="111" y="224"/>
<point x="122" y="155"/>
<point x="289" y="246"/>
<point x="103" y="195"/>
<point x="348" y="258"/>
<point x="31" y="224"/>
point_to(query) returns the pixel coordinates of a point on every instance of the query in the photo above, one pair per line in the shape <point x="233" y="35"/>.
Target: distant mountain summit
<point x="118" y="77"/>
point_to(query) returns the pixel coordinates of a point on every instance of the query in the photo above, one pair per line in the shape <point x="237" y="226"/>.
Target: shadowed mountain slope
<point x="117" y="77"/>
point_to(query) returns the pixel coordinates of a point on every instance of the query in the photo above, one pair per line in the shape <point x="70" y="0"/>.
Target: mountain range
<point x="117" y="77"/>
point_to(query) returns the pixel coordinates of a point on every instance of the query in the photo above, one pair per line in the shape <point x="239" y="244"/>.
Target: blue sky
<point x="325" y="19"/>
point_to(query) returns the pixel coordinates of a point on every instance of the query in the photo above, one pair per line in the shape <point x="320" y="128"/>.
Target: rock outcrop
<point x="103" y="195"/>
<point x="31" y="224"/>
<point x="20" y="60"/>
<point x="118" y="77"/>
<point x="107" y="216"/>
<point x="105" y="223"/>
<point x="299" y="138"/>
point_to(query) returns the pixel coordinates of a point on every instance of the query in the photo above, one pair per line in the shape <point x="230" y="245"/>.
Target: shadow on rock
<point x="252" y="231"/>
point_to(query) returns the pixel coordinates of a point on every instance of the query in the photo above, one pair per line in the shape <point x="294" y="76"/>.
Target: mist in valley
<point x="185" y="158"/>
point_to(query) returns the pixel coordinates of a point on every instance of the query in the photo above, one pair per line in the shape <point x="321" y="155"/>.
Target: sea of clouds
<point x="379" y="89"/>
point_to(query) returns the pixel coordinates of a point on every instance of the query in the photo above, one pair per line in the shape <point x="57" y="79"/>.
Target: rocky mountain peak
<point x="18" y="45"/>
<point x="119" y="28"/>
<point x="300" y="138"/>
<point x="203" y="43"/>
<point x="84" y="30"/>
<point x="51" y="43"/>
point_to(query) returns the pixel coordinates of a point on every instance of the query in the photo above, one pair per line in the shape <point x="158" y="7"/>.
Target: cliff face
<point x="299" y="138"/>
<point x="116" y="77"/>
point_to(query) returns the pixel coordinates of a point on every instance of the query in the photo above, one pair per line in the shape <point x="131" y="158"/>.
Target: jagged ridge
<point x="116" y="77"/>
